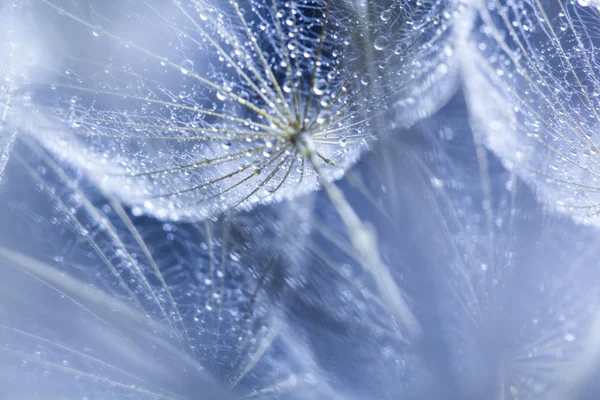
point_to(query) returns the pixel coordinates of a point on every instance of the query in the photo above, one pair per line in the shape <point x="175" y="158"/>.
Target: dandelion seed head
<point x="512" y="319"/>
<point x="183" y="102"/>
<point x="534" y="67"/>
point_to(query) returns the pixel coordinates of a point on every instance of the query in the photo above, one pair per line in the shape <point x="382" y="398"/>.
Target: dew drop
<point x="386" y="15"/>
<point x="323" y="117"/>
<point x="569" y="337"/>
<point x="380" y="43"/>
<point x="437" y="183"/>
<point x="97" y="31"/>
<point x="137" y="211"/>
<point x="287" y="87"/>
<point x="320" y="86"/>
<point x="449" y="50"/>
<point x="186" y="66"/>
<point x="244" y="97"/>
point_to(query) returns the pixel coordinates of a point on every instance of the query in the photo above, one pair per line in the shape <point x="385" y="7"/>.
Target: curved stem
<point x="7" y="137"/>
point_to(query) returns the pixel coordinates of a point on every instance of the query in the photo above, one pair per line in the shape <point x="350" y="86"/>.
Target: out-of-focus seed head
<point x="531" y="74"/>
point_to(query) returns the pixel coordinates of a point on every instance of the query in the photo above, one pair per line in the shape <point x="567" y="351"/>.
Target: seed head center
<point x="302" y="140"/>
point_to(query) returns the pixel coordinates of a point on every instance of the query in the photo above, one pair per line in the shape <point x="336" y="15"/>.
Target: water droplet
<point x="320" y="86"/>
<point x="380" y="43"/>
<point x="137" y="211"/>
<point x="324" y="116"/>
<point x="437" y="183"/>
<point x="97" y="31"/>
<point x="76" y="123"/>
<point x="386" y="15"/>
<point x="244" y="97"/>
<point x="449" y="50"/>
<point x="186" y="66"/>
<point x="569" y="337"/>
<point x="287" y="87"/>
<point x="221" y="96"/>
